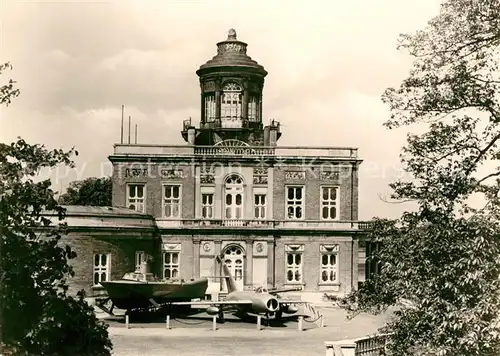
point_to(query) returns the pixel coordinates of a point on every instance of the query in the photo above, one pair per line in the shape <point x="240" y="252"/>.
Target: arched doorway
<point x="233" y="197"/>
<point x="233" y="257"/>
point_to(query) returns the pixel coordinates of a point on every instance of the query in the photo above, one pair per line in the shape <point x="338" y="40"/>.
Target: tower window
<point x="253" y="108"/>
<point x="231" y="105"/>
<point x="210" y="107"/>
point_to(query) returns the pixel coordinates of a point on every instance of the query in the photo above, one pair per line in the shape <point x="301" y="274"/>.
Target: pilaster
<point x="218" y="267"/>
<point x="249" y="263"/>
<point x="196" y="258"/>
<point x="270" y="264"/>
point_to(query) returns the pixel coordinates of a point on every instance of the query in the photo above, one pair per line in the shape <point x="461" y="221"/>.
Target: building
<point x="280" y="216"/>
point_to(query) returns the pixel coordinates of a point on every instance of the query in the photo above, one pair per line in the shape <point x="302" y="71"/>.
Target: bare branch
<point x="402" y="201"/>
<point x="496" y="174"/>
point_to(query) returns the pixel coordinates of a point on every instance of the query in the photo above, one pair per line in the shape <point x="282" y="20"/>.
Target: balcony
<point x="263" y="224"/>
<point x="130" y="150"/>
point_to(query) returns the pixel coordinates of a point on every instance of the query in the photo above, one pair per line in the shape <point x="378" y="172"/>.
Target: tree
<point x="42" y="318"/>
<point x="442" y="260"/>
<point x="90" y="191"/>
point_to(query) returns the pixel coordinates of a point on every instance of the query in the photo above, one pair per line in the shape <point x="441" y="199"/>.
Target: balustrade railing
<point x="237" y="151"/>
<point x="258" y="223"/>
<point x="233" y="151"/>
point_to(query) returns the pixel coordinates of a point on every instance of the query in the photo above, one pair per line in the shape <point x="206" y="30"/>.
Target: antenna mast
<point x="129" y="122"/>
<point x="121" y="133"/>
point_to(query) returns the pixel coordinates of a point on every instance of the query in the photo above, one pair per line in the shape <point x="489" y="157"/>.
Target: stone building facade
<point x="279" y="216"/>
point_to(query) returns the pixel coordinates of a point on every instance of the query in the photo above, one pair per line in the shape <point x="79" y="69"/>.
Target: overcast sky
<point x="77" y="62"/>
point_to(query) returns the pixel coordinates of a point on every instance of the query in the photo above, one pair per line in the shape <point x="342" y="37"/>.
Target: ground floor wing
<point x="332" y="264"/>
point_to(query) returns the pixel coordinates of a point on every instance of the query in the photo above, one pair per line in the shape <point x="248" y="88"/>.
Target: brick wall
<point x="122" y="249"/>
<point x="347" y="182"/>
<point x="151" y="175"/>
<point x="311" y="261"/>
<point x="312" y="183"/>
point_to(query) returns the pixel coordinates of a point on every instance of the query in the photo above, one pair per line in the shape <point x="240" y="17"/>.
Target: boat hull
<point x="126" y="294"/>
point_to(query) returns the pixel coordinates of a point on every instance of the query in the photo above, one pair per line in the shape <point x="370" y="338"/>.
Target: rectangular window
<point x="207" y="206"/>
<point x="295" y="203"/>
<point x="140" y="256"/>
<point x="253" y="109"/>
<point x="102" y="263"/>
<point x="329" y="203"/>
<point x="210" y="108"/>
<point x="171" y="264"/>
<point x="260" y="206"/>
<point x="294" y="267"/>
<point x="171" y="201"/>
<point x="136" y="197"/>
<point x="328" y="267"/>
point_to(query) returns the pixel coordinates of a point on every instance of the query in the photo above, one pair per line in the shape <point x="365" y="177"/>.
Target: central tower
<point x="231" y="99"/>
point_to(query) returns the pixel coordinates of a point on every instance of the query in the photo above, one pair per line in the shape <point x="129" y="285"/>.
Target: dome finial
<point x="231" y="35"/>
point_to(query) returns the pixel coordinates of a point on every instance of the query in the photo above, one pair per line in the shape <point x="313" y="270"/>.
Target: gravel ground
<point x="194" y="335"/>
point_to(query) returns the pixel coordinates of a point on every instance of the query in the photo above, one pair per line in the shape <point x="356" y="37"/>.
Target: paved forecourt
<point x="194" y="335"/>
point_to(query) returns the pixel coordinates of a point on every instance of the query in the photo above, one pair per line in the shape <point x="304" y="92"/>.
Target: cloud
<point x="76" y="63"/>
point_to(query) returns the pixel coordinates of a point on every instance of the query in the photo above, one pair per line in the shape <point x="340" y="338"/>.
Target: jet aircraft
<point x="258" y="302"/>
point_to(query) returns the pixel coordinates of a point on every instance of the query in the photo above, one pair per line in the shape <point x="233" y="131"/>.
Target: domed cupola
<point x="231" y="56"/>
<point x="231" y="97"/>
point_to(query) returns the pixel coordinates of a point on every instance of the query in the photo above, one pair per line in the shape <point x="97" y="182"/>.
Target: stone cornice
<point x="270" y="161"/>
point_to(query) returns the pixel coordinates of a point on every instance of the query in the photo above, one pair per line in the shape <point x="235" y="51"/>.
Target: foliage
<point x="91" y="191"/>
<point x="38" y="316"/>
<point x="439" y="264"/>
<point x="7" y="91"/>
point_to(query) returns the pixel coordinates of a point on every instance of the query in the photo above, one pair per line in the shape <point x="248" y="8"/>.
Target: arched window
<point x="231" y="105"/>
<point x="234" y="197"/>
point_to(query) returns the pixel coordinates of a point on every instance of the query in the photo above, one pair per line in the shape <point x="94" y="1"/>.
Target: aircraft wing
<point x="213" y="302"/>
<point x="286" y="301"/>
<point x="291" y="289"/>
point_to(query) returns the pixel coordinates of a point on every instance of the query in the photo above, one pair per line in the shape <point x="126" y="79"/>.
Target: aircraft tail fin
<point x="231" y="285"/>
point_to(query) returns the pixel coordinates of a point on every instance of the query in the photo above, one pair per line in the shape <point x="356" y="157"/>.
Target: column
<point x="244" y="104"/>
<point x="203" y="118"/>
<point x="259" y="108"/>
<point x="196" y="258"/>
<point x="249" y="263"/>
<point x="218" y="268"/>
<point x="270" y="264"/>
<point x="217" y="101"/>
<point x="355" y="267"/>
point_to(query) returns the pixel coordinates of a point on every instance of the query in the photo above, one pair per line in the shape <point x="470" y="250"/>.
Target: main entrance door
<point x="233" y="257"/>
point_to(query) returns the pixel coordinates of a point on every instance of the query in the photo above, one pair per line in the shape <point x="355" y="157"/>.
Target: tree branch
<point x="402" y="201"/>
<point x="481" y="154"/>
<point x="496" y="174"/>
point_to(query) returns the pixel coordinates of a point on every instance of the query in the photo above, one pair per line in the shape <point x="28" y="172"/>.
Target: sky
<point x="77" y="62"/>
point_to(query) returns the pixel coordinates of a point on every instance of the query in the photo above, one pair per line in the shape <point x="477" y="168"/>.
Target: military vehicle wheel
<point x="221" y="317"/>
<point x="279" y="315"/>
